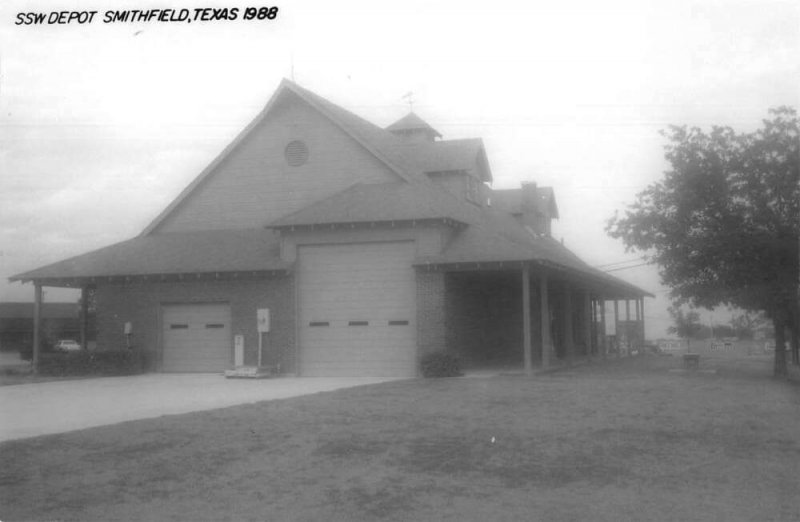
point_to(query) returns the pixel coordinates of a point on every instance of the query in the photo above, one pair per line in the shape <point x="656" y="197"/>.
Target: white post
<point x="545" y="321"/>
<point x="526" y="318"/>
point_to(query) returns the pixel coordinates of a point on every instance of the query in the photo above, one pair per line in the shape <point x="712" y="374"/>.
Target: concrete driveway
<point x="28" y="410"/>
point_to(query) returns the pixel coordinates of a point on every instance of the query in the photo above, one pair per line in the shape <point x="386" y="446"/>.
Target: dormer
<point x="533" y="206"/>
<point x="413" y="129"/>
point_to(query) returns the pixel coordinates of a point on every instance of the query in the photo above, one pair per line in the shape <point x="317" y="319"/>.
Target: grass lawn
<point x="622" y="440"/>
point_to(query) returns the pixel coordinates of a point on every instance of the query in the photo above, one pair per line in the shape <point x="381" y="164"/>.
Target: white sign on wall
<point x="263" y="320"/>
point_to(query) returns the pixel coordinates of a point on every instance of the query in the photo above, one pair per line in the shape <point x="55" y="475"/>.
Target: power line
<point x="620" y="262"/>
<point x="625" y="267"/>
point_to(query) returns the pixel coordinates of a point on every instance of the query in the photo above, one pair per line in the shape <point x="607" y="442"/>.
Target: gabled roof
<point x="172" y="253"/>
<point x="409" y="162"/>
<point x="412" y="122"/>
<point x="486" y="234"/>
<point x="377" y="141"/>
<point x="376" y="203"/>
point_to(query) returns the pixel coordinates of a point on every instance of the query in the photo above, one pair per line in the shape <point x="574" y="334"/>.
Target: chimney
<point x="529" y="200"/>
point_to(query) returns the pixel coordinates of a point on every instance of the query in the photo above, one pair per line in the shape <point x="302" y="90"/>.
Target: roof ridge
<point x="338" y="115"/>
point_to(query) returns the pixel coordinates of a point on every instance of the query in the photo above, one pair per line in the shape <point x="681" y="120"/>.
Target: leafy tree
<point x="687" y="324"/>
<point x="745" y="324"/>
<point x="723" y="224"/>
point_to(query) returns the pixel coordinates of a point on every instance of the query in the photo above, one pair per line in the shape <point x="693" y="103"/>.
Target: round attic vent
<point x="296" y="153"/>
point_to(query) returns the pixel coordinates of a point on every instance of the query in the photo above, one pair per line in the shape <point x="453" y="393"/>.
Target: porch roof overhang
<point x="598" y="282"/>
<point x="184" y="256"/>
<point x="609" y="287"/>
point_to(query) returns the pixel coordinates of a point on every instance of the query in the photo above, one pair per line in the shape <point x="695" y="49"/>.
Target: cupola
<point x="413" y="128"/>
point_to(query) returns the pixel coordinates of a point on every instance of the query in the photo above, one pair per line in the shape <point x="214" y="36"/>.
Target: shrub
<point x="440" y="364"/>
<point x="117" y="362"/>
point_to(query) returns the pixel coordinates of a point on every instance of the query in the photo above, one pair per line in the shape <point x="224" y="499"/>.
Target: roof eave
<point x="205" y="275"/>
<point x="367" y="223"/>
<point x="620" y="289"/>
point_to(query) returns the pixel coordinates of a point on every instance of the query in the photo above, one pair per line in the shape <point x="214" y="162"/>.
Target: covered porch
<point x="528" y="316"/>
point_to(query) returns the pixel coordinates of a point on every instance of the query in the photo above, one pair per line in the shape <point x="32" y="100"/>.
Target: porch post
<point x="526" y="318"/>
<point x="586" y="323"/>
<point x="37" y="325"/>
<point x="569" y="342"/>
<point x="616" y="324"/>
<point x="603" y="341"/>
<point x="639" y="343"/>
<point x="545" y="320"/>
<point x="84" y="317"/>
<point x="593" y="327"/>
<point x="627" y="326"/>
<point x="641" y="322"/>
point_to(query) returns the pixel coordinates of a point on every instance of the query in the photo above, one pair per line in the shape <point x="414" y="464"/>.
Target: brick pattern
<point x="140" y="303"/>
<point x="476" y="315"/>
<point x="431" y="326"/>
<point x="484" y="318"/>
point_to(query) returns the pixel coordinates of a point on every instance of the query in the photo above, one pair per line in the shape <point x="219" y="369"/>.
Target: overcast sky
<point x="102" y="125"/>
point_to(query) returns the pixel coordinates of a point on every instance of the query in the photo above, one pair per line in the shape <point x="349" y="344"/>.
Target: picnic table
<point x="691" y="361"/>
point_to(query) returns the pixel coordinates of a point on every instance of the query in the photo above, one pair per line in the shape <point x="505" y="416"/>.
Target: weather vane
<point x="409" y="97"/>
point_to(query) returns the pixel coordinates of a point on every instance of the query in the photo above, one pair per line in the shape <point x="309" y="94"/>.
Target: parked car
<point x="67" y="345"/>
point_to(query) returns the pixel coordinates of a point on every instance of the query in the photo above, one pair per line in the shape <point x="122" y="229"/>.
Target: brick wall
<point x="140" y="303"/>
<point x="431" y="328"/>
<point x="484" y="318"/>
<point x="477" y="315"/>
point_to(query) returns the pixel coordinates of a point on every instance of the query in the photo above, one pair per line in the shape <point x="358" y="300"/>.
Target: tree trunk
<point x="793" y="329"/>
<point x="780" y="348"/>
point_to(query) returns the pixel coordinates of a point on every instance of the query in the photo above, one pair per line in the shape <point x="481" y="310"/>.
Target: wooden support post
<point x="37" y="325"/>
<point x="641" y="322"/>
<point x="544" y="310"/>
<point x="627" y="326"/>
<point x="526" y="318"/>
<point x="84" y="318"/>
<point x="569" y="342"/>
<point x="603" y="340"/>
<point x="593" y="327"/>
<point x="616" y="325"/>
<point x="586" y="323"/>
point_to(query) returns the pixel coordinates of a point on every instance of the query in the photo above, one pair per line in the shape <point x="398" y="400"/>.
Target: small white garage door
<point x="196" y="338"/>
<point x="357" y="310"/>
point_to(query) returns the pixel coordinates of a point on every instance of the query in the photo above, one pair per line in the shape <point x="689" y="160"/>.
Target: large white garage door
<point x="357" y="310"/>
<point x="196" y="338"/>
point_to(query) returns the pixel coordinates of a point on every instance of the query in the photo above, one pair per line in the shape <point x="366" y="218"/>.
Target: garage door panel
<point x="339" y="284"/>
<point x="196" y="337"/>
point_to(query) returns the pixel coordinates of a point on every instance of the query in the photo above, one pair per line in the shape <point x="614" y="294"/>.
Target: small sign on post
<point x="263" y="320"/>
<point x="238" y="350"/>
<point x="251" y="372"/>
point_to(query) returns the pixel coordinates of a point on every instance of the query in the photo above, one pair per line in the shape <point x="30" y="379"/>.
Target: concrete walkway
<point x="28" y="410"/>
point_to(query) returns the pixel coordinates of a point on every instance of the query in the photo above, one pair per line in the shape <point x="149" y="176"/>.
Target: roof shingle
<point x="172" y="253"/>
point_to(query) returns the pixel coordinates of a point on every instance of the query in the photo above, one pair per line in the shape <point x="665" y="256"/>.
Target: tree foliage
<point x="723" y="224"/>
<point x="686" y="324"/>
<point x="747" y="324"/>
